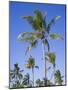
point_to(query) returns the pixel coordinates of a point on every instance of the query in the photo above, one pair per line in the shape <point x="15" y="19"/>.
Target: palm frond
<point x="20" y="76"/>
<point x="38" y="15"/>
<point x="32" y="45"/>
<point x="26" y="35"/>
<point x="52" y="22"/>
<point x="55" y="36"/>
<point x="37" y="67"/>
<point x="38" y="20"/>
<point x="47" y="43"/>
<point x="51" y="57"/>
<point x="29" y="19"/>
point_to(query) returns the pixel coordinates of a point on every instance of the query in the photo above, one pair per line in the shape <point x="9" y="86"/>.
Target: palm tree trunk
<point x="33" y="75"/>
<point x="43" y="53"/>
<point x="54" y="73"/>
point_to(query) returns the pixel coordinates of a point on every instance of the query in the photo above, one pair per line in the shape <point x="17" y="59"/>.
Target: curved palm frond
<point x="52" y="22"/>
<point x="27" y="36"/>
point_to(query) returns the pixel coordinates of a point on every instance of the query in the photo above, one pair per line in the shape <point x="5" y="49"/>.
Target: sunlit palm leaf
<point x="55" y="36"/>
<point x="27" y="66"/>
<point x="51" y="57"/>
<point x="52" y="22"/>
<point x="26" y="36"/>
<point x="28" y="39"/>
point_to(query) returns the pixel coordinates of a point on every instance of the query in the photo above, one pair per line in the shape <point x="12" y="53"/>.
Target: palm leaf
<point x="55" y="36"/>
<point x="51" y="57"/>
<point x="26" y="35"/>
<point x="20" y="76"/>
<point x="32" y="45"/>
<point x="27" y="66"/>
<point x="52" y="22"/>
<point x="29" y="19"/>
<point x="47" y="43"/>
<point x="44" y="23"/>
<point x="37" y="67"/>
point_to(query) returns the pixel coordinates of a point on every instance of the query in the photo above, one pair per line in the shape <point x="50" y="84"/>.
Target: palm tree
<point x="16" y="75"/>
<point x="58" y="77"/>
<point x="26" y="80"/>
<point x="42" y="32"/>
<point x="39" y="83"/>
<point x="49" y="83"/>
<point x="51" y="57"/>
<point x="31" y="65"/>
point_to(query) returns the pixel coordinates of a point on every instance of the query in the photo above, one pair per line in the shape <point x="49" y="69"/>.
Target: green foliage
<point x="58" y="77"/>
<point x="51" y="57"/>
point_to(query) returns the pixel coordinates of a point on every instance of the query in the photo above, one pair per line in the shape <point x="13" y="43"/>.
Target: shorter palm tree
<point x="51" y="57"/>
<point x="31" y="65"/>
<point x="48" y="82"/>
<point x="58" y="77"/>
<point x="16" y="75"/>
<point x="38" y="83"/>
<point x="26" y="80"/>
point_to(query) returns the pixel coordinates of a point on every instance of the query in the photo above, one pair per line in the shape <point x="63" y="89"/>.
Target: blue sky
<point x="18" y="25"/>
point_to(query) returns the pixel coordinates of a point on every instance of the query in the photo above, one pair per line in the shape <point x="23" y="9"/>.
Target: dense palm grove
<point x="42" y="33"/>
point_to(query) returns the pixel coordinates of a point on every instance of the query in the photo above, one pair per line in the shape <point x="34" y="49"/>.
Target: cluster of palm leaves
<point x="42" y="33"/>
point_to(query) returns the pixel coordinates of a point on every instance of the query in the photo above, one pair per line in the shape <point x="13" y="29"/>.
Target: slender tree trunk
<point x="43" y="51"/>
<point x="54" y="74"/>
<point x="33" y="75"/>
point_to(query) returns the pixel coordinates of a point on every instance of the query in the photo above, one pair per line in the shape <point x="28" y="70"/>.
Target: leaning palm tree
<point x="31" y="65"/>
<point x="42" y="32"/>
<point x="16" y="76"/>
<point x="58" y="77"/>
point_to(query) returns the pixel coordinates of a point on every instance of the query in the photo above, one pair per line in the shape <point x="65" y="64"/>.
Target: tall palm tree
<point x="58" y="77"/>
<point x="16" y="75"/>
<point x="42" y="32"/>
<point x="31" y="65"/>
